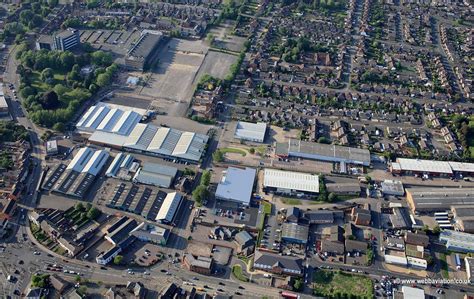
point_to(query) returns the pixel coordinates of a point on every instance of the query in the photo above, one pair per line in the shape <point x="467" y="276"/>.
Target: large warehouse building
<point x="80" y="174"/>
<point x="438" y="199"/>
<point x="118" y="127"/>
<point x="140" y="54"/>
<point x="290" y="183"/>
<point x="431" y="168"/>
<point x="156" y="174"/>
<point x="250" y="131"/>
<point x="102" y="117"/>
<point x="236" y="185"/>
<point x="323" y="152"/>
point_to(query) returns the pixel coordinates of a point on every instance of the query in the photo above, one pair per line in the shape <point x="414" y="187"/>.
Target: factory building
<point x="140" y="55"/>
<point x="81" y="172"/>
<point x="457" y="241"/>
<point x="404" y="166"/>
<point x="290" y="183"/>
<point x="236" y="185"/>
<point x="250" y="131"/>
<point x="156" y="174"/>
<point x="323" y="152"/>
<point x="438" y="199"/>
<point x="168" y="209"/>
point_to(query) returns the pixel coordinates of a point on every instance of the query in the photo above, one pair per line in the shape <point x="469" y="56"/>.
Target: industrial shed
<point x="169" y="208"/>
<point x="236" y="185"/>
<point x="438" y="199"/>
<point x="290" y="183"/>
<point x="156" y="174"/>
<point x="81" y="172"/>
<point x="323" y="152"/>
<point x="250" y="131"/>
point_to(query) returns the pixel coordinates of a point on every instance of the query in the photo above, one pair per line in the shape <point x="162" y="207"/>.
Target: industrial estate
<point x="236" y="149"/>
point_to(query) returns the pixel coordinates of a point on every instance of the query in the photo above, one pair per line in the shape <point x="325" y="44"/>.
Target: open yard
<point x="217" y="64"/>
<point x="179" y="61"/>
<point x="342" y="285"/>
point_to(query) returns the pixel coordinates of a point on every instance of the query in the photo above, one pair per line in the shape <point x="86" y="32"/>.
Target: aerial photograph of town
<point x="221" y="149"/>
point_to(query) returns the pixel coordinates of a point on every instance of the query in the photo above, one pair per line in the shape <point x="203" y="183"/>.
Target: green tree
<point x="252" y="150"/>
<point x="59" y="127"/>
<point x="200" y="194"/>
<point x="298" y="284"/>
<point x="436" y="230"/>
<point x="118" y="260"/>
<point x="79" y="207"/>
<point x="206" y="178"/>
<point x="218" y="156"/>
<point x="93" y="213"/>
<point x="103" y="80"/>
<point x="332" y="197"/>
<point x="46" y="74"/>
<point x="40" y="280"/>
<point x="324" y="140"/>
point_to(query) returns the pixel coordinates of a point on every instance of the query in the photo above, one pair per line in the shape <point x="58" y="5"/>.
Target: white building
<point x="169" y="207"/>
<point x="392" y="187"/>
<point x="250" y="131"/>
<point x="290" y="183"/>
<point x="469" y="261"/>
<point x="236" y="185"/>
<point x="51" y="147"/>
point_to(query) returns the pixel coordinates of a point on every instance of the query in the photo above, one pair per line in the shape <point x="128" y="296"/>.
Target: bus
<point x="286" y="294"/>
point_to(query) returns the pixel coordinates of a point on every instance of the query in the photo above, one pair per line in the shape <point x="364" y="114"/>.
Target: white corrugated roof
<point x="125" y="124"/>
<point x="183" y="143"/>
<point x="80" y="159"/>
<point x="169" y="207"/>
<point x="96" y="162"/>
<point x="246" y="130"/>
<point x="110" y="120"/>
<point x="97" y="117"/>
<point x="158" y="139"/>
<point x="115" y="165"/>
<point x="424" y="165"/>
<point x="461" y="166"/>
<point x="291" y="180"/>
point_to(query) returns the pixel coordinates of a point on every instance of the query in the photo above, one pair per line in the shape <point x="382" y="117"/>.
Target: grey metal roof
<point x="236" y="185"/>
<point x="243" y="237"/>
<point x="440" y="198"/>
<point x="270" y="260"/>
<point x="156" y="174"/>
<point x="326" y="152"/>
<point x="294" y="231"/>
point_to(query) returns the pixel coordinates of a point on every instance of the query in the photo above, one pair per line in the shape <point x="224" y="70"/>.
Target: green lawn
<point x="291" y="201"/>
<point x="238" y="273"/>
<point x="267" y="207"/>
<point x="233" y="150"/>
<point x="444" y="266"/>
<point x="342" y="285"/>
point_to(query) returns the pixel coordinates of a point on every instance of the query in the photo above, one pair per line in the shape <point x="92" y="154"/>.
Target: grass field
<point x="238" y="273"/>
<point x="233" y="150"/>
<point x="331" y="284"/>
<point x="291" y="201"/>
<point x="267" y="207"/>
<point x="444" y="266"/>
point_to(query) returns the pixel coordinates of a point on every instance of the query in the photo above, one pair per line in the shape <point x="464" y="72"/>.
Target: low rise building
<point x="199" y="264"/>
<point x="469" y="261"/>
<point x="323" y="152"/>
<point x="51" y="147"/>
<point x="250" y="131"/>
<point x="156" y="175"/>
<point x="290" y="183"/>
<point x="392" y="187"/>
<point x="345" y="189"/>
<point x="457" y="241"/>
<point x="151" y="233"/>
<point x="438" y="199"/>
<point x="294" y="233"/>
<point x="236" y="185"/>
<point x="361" y="216"/>
<point x="277" y="264"/>
<point x="245" y="243"/>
